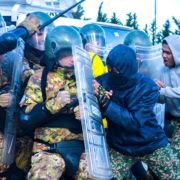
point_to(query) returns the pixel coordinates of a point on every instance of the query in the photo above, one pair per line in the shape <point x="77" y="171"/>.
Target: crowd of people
<point x="49" y="137"/>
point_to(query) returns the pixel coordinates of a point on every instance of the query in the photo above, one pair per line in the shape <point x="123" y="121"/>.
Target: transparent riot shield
<point x="100" y="51"/>
<point x="150" y="60"/>
<point x="91" y="119"/>
<point x="150" y="63"/>
<point x="13" y="68"/>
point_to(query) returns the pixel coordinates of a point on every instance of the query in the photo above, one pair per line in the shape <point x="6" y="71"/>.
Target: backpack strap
<point x="44" y="83"/>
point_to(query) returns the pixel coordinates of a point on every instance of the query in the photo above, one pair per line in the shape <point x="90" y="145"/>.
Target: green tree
<point x="164" y="32"/>
<point x="177" y="23"/>
<point x="132" y="21"/>
<point x="115" y="20"/>
<point x="153" y="32"/>
<point x="159" y="37"/>
<point x="79" y="12"/>
<point x="102" y="17"/>
<point x="146" y="29"/>
<point x="166" y="29"/>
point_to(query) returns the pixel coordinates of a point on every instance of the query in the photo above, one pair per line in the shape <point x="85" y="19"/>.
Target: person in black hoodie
<point x="127" y="99"/>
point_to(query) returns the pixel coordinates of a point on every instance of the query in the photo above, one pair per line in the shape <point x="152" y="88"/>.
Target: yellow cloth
<point x="98" y="69"/>
<point x="98" y="66"/>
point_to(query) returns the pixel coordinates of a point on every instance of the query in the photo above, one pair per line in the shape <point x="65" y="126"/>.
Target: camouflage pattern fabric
<point x="51" y="166"/>
<point x="23" y="153"/>
<point x="3" y="79"/>
<point x="59" y="79"/>
<point x="46" y="165"/>
<point x="3" y="167"/>
<point x="82" y="172"/>
<point x="175" y="141"/>
<point x="55" y="135"/>
<point x="162" y="162"/>
<point x="29" y="71"/>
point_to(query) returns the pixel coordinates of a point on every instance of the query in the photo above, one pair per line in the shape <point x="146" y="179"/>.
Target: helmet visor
<point x="101" y="51"/>
<point x="37" y="40"/>
<point x="96" y="40"/>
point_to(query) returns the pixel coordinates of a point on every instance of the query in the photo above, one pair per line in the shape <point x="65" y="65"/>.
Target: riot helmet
<point x="137" y="38"/>
<point x="94" y="39"/>
<point x="58" y="44"/>
<point x="37" y="40"/>
<point x="76" y="28"/>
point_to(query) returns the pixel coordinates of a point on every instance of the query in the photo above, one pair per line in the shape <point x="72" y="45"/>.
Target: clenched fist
<point x="63" y="97"/>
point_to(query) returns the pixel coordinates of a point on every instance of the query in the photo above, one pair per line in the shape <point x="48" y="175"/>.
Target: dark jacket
<point x="132" y="125"/>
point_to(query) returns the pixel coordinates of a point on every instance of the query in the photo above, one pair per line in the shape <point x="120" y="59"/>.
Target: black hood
<point x="123" y="58"/>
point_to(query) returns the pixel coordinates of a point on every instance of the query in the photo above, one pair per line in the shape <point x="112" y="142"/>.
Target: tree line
<point x="132" y="22"/>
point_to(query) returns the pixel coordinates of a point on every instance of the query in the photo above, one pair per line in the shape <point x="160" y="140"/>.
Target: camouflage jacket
<point x="59" y="79"/>
<point x="56" y="80"/>
<point x="31" y="64"/>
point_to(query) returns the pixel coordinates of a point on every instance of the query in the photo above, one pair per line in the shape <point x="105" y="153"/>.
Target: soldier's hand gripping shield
<point x="37" y="39"/>
<point x="91" y="119"/>
<point x="150" y="63"/>
<point x="12" y="65"/>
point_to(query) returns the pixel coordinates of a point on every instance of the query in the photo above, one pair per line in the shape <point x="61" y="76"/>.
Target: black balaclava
<point x="123" y="59"/>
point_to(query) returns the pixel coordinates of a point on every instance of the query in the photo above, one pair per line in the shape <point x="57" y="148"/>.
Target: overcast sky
<point x="143" y="8"/>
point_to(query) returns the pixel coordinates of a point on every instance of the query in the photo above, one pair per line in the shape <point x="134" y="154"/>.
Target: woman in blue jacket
<point x="127" y="99"/>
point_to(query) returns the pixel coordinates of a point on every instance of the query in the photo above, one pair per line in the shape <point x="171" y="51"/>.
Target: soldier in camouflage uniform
<point x="127" y="99"/>
<point x="34" y="47"/>
<point x="50" y="107"/>
<point x="24" y="144"/>
<point x="34" y="50"/>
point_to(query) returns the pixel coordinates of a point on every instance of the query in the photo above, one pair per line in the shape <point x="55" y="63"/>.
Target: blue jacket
<point x="132" y="125"/>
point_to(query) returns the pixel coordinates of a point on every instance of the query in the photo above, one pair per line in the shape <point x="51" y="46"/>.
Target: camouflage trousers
<point x="175" y="141"/>
<point x="162" y="162"/>
<point x="49" y="165"/>
<point x="23" y="153"/>
<point x="3" y="167"/>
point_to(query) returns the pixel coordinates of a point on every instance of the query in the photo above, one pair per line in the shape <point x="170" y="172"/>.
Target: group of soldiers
<point x="47" y="113"/>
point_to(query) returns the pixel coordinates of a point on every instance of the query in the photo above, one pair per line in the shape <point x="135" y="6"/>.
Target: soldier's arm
<point x="8" y="41"/>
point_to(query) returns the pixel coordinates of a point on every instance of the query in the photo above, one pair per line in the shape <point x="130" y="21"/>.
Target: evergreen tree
<point x="164" y="32"/>
<point x="115" y="20"/>
<point x="102" y="17"/>
<point x="166" y="29"/>
<point x="177" y="22"/>
<point x="153" y="32"/>
<point x="159" y="37"/>
<point x="146" y="29"/>
<point x="132" y="21"/>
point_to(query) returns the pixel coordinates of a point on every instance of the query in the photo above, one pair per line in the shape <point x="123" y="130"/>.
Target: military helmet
<point x="59" y="42"/>
<point x="76" y="28"/>
<point x="93" y="34"/>
<point x="37" y="40"/>
<point x="137" y="38"/>
<point x="42" y="17"/>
